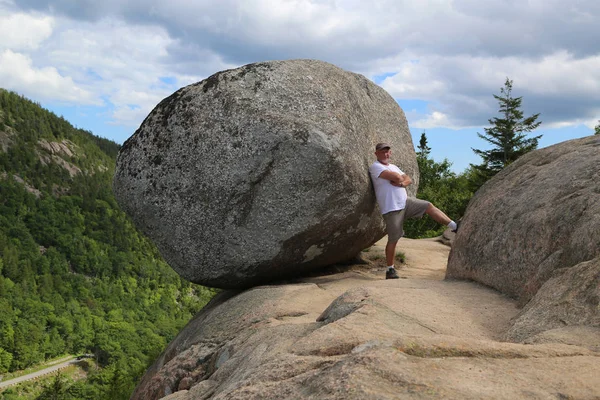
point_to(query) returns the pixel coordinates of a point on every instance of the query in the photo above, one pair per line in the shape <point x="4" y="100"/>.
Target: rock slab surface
<point x="261" y="172"/>
<point x="355" y="335"/>
<point x="569" y="299"/>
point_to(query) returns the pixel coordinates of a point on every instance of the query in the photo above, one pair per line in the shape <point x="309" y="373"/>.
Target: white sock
<point x="452" y="225"/>
<point x="390" y="267"/>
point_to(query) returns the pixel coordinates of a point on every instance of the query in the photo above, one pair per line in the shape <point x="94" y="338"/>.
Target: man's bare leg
<point x="390" y="256"/>
<point x="437" y="215"/>
<point x="390" y="253"/>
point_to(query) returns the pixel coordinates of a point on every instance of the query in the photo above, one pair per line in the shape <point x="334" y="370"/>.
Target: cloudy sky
<point x="104" y="65"/>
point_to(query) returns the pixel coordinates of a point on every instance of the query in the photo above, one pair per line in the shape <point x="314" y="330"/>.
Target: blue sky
<point x="105" y="65"/>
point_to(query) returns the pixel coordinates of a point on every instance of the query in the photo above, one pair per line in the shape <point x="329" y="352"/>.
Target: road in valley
<point x="37" y="374"/>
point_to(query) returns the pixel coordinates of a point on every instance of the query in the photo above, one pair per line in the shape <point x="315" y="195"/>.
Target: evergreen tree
<point x="56" y="390"/>
<point x="597" y="128"/>
<point x="423" y="150"/>
<point x="507" y="134"/>
<point x="423" y="161"/>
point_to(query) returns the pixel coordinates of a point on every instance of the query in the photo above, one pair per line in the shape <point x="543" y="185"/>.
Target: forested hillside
<point x="75" y="275"/>
<point x="449" y="191"/>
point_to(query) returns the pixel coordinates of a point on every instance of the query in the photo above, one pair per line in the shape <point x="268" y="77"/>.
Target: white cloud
<point x="435" y="120"/>
<point x="588" y="122"/>
<point x="118" y="62"/>
<point x="461" y="87"/>
<point x="561" y="74"/>
<point x="451" y="55"/>
<point x="131" y="107"/>
<point x="22" y="31"/>
<point x="17" y="73"/>
<point x="109" y="46"/>
<point x="83" y="62"/>
<point x="414" y="80"/>
<point x="129" y="117"/>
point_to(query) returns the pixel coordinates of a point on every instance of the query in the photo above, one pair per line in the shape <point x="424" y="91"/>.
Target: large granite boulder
<point x="538" y="219"/>
<point x="261" y="172"/>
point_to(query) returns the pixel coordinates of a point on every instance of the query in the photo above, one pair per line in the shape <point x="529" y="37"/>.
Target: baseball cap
<point x="381" y="146"/>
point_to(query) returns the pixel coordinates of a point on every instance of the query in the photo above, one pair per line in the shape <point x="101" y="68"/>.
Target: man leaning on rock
<point x="395" y="205"/>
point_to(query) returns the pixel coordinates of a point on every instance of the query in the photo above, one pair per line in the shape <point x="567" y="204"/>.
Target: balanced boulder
<point x="261" y="172"/>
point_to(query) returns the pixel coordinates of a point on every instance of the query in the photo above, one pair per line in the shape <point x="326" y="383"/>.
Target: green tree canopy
<point x="438" y="184"/>
<point x="75" y="275"/>
<point x="507" y="134"/>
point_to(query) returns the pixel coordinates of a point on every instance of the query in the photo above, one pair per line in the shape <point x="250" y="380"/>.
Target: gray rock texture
<point x="355" y="335"/>
<point x="261" y="172"/>
<point x="570" y="298"/>
<point x="539" y="215"/>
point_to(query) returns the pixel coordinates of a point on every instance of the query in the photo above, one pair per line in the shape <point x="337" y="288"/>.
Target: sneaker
<point x="457" y="226"/>
<point x="391" y="274"/>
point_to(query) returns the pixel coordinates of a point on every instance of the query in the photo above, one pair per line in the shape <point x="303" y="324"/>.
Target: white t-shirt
<point x="390" y="197"/>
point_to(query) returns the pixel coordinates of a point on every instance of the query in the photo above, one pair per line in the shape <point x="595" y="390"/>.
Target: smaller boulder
<point x="571" y="298"/>
<point x="538" y="215"/>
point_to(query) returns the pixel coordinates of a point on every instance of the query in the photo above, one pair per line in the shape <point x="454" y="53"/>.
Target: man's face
<point x="384" y="155"/>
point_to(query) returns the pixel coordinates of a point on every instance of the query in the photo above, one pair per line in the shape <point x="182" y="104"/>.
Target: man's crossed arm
<point x="396" y="179"/>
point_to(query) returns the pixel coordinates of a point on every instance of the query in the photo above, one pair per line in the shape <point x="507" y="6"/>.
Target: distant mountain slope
<point x="75" y="275"/>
